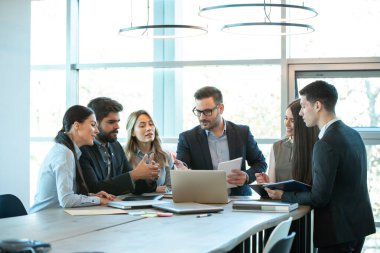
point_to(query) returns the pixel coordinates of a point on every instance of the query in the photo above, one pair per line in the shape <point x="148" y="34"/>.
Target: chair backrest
<point x="284" y="245"/>
<point x="281" y="231"/>
<point x="11" y="206"/>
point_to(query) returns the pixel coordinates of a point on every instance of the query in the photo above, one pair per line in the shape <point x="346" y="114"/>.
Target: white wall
<point x="14" y="97"/>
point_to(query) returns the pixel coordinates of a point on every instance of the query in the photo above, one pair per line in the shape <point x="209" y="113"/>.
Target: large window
<point x="358" y="106"/>
<point x="161" y="76"/>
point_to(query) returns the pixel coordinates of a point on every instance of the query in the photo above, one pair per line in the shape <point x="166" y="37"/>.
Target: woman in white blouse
<point x="61" y="181"/>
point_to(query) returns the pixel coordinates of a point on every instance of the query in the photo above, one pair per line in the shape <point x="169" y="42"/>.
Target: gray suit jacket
<point x="339" y="195"/>
<point x="193" y="149"/>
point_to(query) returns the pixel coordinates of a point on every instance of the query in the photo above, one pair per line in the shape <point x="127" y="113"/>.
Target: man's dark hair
<point x="323" y="92"/>
<point x="102" y="106"/>
<point x="209" y="91"/>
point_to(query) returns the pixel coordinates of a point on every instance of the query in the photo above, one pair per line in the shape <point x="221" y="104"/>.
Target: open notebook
<point x="199" y="186"/>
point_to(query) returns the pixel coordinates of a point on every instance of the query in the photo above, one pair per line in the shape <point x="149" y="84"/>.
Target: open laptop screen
<point x="200" y="186"/>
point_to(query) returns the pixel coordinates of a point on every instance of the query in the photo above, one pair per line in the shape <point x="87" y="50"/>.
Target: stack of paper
<point x="270" y="206"/>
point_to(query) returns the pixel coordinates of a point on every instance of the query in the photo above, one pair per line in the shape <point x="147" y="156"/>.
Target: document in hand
<point x="269" y="206"/>
<point x="289" y="186"/>
<point x="228" y="166"/>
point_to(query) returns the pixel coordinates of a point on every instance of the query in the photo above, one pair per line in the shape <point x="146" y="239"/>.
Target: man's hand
<point x="274" y="194"/>
<point x="237" y="177"/>
<point x="146" y="171"/>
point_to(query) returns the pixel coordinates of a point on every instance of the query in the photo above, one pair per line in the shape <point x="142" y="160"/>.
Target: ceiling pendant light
<point x="161" y="31"/>
<point x="263" y="18"/>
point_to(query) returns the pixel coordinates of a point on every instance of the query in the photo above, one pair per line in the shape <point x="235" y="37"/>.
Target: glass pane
<point x="373" y="177"/>
<point x="218" y="45"/>
<point x="48" y="32"/>
<point x="344" y="28"/>
<point x="133" y="88"/>
<point x="38" y="151"/>
<point x="100" y="22"/>
<point x="47" y="102"/>
<point x="251" y="96"/>
<point x="358" y="104"/>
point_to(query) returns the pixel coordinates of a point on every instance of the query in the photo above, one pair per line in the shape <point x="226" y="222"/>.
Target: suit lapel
<point x="205" y="150"/>
<point x="233" y="147"/>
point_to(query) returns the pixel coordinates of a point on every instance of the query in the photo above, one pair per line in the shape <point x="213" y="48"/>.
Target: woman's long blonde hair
<point x="130" y="149"/>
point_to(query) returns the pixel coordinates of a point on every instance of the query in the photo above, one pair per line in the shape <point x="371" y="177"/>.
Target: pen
<point x="203" y="215"/>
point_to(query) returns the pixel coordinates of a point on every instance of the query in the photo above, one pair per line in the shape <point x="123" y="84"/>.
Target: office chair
<point x="11" y="206"/>
<point x="284" y="245"/>
<point x="279" y="232"/>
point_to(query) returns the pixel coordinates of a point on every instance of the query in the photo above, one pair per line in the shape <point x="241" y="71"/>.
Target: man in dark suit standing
<point x="105" y="165"/>
<point x="216" y="140"/>
<point x="342" y="209"/>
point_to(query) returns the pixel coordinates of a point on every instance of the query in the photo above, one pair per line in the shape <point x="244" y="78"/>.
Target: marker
<point x="203" y="215"/>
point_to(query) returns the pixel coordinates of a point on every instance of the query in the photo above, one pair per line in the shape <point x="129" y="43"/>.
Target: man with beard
<point x="217" y="140"/>
<point x="105" y="165"/>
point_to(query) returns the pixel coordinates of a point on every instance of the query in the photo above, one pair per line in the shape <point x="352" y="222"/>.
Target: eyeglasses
<point x="206" y="112"/>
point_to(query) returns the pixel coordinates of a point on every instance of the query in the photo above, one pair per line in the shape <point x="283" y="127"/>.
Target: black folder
<point x="287" y="186"/>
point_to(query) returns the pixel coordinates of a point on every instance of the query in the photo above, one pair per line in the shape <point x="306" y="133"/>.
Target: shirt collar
<point x="324" y="128"/>
<point x="99" y="143"/>
<point x="77" y="150"/>
<point x="208" y="132"/>
<point x="141" y="154"/>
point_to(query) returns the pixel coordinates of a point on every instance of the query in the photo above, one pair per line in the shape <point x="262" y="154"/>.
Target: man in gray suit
<point x="342" y="209"/>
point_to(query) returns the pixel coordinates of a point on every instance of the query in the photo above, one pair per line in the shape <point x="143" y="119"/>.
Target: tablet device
<point x="125" y="205"/>
<point x="259" y="189"/>
<point x="289" y="186"/>
<point x="143" y="197"/>
<point x="188" y="208"/>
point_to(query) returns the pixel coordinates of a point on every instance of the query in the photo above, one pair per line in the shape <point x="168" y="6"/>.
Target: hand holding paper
<point x="228" y="166"/>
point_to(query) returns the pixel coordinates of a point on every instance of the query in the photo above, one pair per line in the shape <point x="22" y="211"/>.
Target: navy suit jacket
<point x="120" y="182"/>
<point x="193" y="149"/>
<point x="339" y="195"/>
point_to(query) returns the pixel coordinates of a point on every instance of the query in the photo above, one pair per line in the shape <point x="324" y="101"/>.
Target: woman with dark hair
<point x="290" y="158"/>
<point x="61" y="179"/>
<point x="143" y="139"/>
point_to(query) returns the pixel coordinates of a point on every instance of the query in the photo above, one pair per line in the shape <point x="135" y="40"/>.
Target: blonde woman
<point x="143" y="139"/>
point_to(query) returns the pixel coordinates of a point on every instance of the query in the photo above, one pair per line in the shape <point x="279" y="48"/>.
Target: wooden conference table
<point x="220" y="232"/>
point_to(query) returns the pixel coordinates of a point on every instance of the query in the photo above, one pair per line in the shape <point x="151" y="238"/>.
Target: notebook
<point x="188" y="208"/>
<point x="133" y="204"/>
<point x="199" y="186"/>
<point x="272" y="206"/>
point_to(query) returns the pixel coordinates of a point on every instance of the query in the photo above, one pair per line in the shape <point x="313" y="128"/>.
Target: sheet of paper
<point x="228" y="166"/>
<point x="94" y="210"/>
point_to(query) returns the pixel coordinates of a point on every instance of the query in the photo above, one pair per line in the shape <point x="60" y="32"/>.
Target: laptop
<point x="143" y="197"/>
<point x="188" y="208"/>
<point x="125" y="205"/>
<point x="199" y="186"/>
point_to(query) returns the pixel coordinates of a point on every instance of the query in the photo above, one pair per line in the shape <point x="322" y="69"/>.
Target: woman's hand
<point x="162" y="189"/>
<point x="104" y="197"/>
<point x="261" y="178"/>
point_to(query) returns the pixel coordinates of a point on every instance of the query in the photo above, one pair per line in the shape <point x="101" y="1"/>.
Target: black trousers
<point x="347" y="247"/>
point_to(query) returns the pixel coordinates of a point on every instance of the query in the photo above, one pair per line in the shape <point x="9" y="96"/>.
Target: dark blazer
<point x="120" y="181"/>
<point x="339" y="193"/>
<point x="193" y="149"/>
